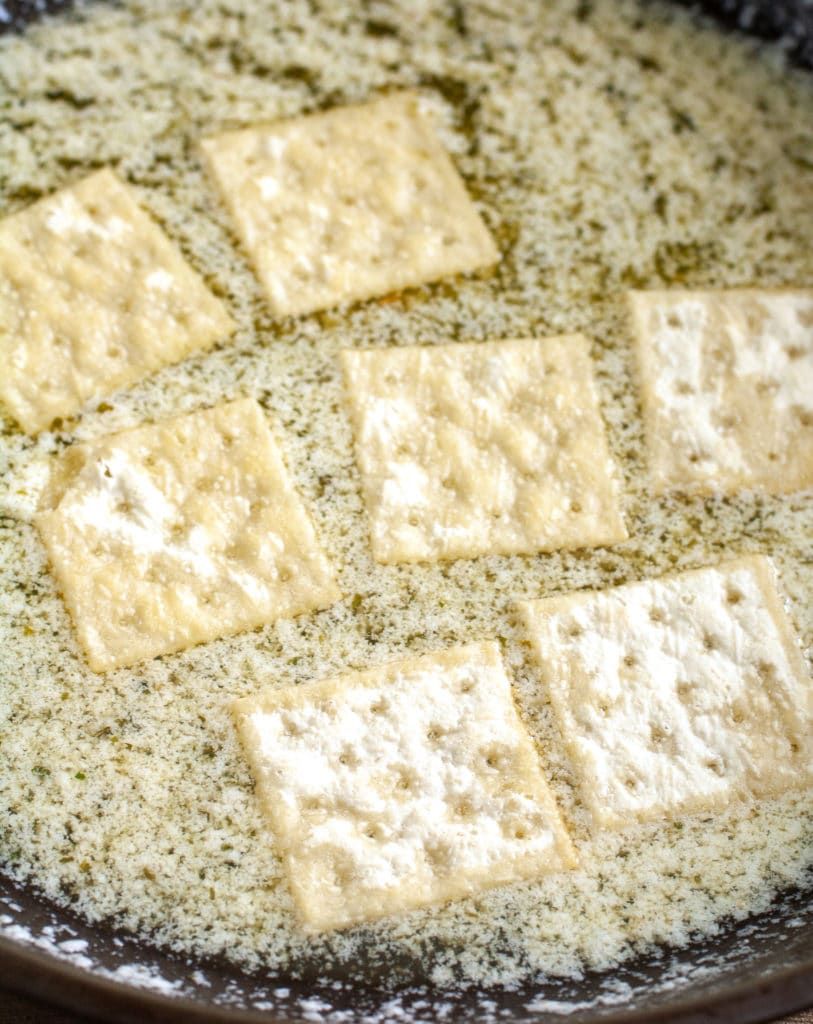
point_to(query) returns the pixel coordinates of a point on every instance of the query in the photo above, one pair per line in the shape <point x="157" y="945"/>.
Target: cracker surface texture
<point x="408" y="784"/>
<point x="727" y="388"/>
<point x="677" y="695"/>
<point x="93" y="297"/>
<point x="482" y="448"/>
<point x="348" y="204"/>
<point x="172" y="534"/>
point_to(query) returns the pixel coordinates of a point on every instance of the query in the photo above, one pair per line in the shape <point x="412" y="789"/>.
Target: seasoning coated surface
<point x="607" y="146"/>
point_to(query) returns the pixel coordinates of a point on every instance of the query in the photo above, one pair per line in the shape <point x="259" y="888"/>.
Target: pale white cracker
<point x="93" y="297"/>
<point x="677" y="695"/>
<point x="727" y="388"/>
<point x="178" y="532"/>
<point x="348" y="204"/>
<point x="482" y="448"/>
<point x="408" y="784"/>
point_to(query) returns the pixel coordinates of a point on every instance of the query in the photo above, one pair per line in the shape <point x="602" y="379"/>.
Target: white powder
<point x="782" y="350"/>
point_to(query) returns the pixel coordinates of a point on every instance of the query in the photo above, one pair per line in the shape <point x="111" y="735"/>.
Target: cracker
<point x="487" y="448"/>
<point x="172" y="534"/>
<point x="347" y="205"/>
<point x="677" y="695"/>
<point x="727" y="388"/>
<point x="93" y="297"/>
<point x="405" y="785"/>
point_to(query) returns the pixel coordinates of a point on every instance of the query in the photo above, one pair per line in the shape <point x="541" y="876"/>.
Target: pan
<point x="747" y="970"/>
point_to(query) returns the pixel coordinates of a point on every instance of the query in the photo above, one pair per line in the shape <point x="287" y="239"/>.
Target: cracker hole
<point x="683" y="387"/>
<point x="576" y="506"/>
<point x="710" y="642"/>
<point x="631" y="782"/>
<point x="349" y="758"/>
<point x="464" y="809"/>
<point x="438" y="855"/>
<point x="794" y="747"/>
<point x="379" y="707"/>
<point x="773" y="456"/>
<point x="794" y="352"/>
<point x="733" y="595"/>
<point x="673" y="320"/>
<point x="574" y="630"/>
<point x="495" y="759"/>
<point x="291" y="726"/>
<point x="656" y="615"/>
<point x="766" y="671"/>
<point x="765" y="387"/>
<point x="284" y="575"/>
<point x="630" y="660"/>
<point x="658" y="734"/>
<point x="684" y="691"/>
<point x="405" y="782"/>
<point x="715" y="765"/>
<point x="343" y="874"/>
<point x="737" y="714"/>
<point x="728" y="422"/>
<point x="805" y="417"/>
<point x="413" y="520"/>
<point x="466" y="686"/>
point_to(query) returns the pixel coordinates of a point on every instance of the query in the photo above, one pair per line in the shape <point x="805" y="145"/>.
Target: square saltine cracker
<point x="175" y="533"/>
<point x="405" y="785"/>
<point x="679" y="694"/>
<point x="482" y="448"/>
<point x="93" y="297"/>
<point x="348" y="204"/>
<point x="727" y="388"/>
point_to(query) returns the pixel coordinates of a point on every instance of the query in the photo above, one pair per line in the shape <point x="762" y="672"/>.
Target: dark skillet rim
<point x="45" y="978"/>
